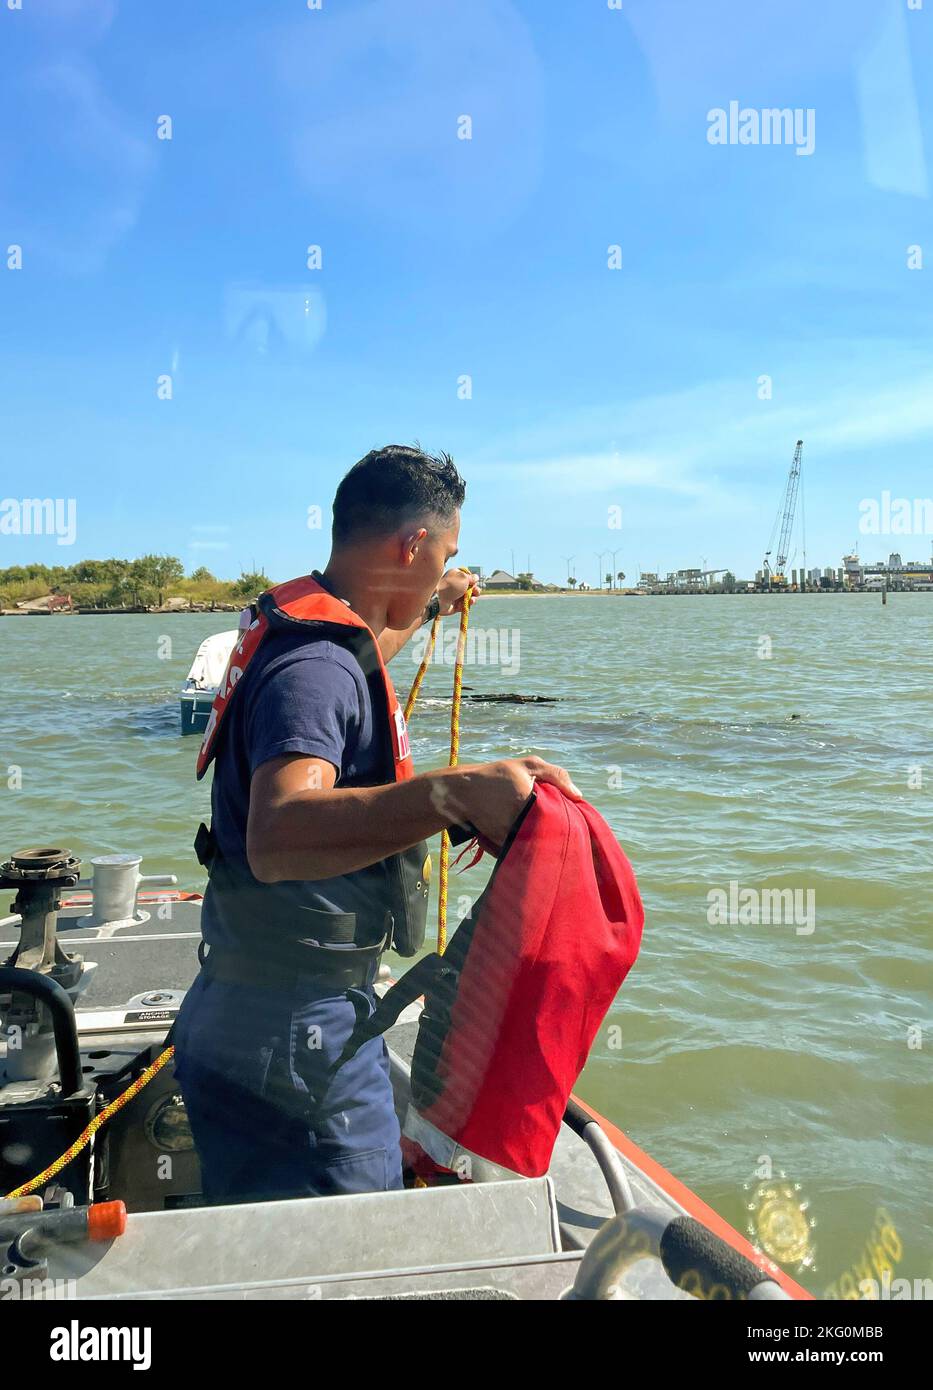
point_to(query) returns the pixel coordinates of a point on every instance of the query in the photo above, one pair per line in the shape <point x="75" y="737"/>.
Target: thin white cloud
<point x="699" y="441"/>
<point x="90" y="148"/>
<point x="595" y="472"/>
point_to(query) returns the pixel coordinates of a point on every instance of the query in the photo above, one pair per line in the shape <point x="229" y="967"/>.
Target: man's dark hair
<point x="392" y="486"/>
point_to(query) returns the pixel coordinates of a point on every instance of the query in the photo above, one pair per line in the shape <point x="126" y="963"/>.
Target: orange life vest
<point x="396" y="885"/>
<point x="304" y="601"/>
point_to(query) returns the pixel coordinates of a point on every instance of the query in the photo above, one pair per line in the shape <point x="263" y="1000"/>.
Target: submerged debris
<point x="513" y="699"/>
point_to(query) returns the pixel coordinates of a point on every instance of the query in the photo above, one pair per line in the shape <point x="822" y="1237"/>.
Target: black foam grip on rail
<point x="701" y="1263"/>
<point x="577" y="1118"/>
<point x="50" y="993"/>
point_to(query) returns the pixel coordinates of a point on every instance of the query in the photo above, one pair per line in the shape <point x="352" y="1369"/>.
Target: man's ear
<point x="411" y="543"/>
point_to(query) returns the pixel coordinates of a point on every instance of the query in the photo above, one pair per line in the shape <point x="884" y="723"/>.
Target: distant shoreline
<point x="738" y="593"/>
<point x="507" y="594"/>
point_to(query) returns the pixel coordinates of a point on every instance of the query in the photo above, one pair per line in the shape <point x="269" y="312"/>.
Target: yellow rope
<point x="146" y="1076"/>
<point x="85" y="1137"/>
<point x="454" y="746"/>
<point x="419" y="675"/>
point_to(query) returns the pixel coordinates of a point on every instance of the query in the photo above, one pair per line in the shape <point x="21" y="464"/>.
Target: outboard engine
<point x="44" y="1101"/>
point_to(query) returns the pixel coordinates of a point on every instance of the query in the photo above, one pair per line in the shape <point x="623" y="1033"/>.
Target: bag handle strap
<point x="426" y="974"/>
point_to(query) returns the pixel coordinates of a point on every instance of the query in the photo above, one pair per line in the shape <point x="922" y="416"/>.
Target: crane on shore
<point x="775" y="578"/>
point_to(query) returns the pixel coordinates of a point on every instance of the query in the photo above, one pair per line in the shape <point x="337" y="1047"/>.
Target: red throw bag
<point x="512" y="1011"/>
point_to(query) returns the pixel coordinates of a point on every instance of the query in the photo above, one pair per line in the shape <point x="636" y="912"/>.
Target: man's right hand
<point x="304" y="825"/>
<point x="490" y="796"/>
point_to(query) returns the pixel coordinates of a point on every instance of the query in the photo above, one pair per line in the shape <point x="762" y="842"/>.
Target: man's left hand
<point x="452" y="589"/>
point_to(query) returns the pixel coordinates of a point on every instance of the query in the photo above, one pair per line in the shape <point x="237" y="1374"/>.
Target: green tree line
<point x="147" y="582"/>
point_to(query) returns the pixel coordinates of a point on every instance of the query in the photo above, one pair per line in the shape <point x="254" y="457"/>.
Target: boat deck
<point x="143" y="969"/>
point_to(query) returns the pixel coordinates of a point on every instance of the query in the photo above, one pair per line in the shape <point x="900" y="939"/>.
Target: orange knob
<point x="106" y="1220"/>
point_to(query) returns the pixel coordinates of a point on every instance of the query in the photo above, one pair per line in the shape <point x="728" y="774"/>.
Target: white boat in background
<point x="206" y="673"/>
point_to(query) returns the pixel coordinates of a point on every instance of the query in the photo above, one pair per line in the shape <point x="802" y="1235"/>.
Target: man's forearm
<point x="392" y="640"/>
<point x="320" y="834"/>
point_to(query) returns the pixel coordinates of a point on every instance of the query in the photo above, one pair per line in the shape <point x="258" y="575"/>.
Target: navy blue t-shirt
<point x="297" y="696"/>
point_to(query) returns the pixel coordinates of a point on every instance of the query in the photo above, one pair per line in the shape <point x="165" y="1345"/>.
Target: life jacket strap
<point x="313" y="965"/>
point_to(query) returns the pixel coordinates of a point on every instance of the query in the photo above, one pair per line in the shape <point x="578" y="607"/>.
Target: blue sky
<point x="441" y="257"/>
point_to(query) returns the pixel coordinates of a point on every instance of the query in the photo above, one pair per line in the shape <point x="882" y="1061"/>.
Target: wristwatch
<point x="431" y="609"/>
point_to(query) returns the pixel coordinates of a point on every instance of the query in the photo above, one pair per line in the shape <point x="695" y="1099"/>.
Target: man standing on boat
<point x="316" y="852"/>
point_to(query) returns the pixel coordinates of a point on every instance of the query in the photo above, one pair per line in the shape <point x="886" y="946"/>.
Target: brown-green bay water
<point x="806" y="1044"/>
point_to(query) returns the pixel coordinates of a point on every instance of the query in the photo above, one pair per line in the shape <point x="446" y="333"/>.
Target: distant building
<point x="895" y="562"/>
<point x="916" y="576"/>
<point x="501" y="579"/>
<point x="851" y="574"/>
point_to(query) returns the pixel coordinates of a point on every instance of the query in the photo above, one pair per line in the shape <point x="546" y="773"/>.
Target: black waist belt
<point x="309" y="964"/>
